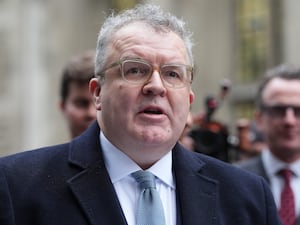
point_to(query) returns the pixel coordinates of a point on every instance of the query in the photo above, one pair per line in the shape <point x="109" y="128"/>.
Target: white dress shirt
<point x="272" y="165"/>
<point x="120" y="167"/>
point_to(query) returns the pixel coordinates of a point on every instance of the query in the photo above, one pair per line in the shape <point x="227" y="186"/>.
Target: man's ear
<point x="192" y="96"/>
<point x="95" y="90"/>
<point x="61" y="105"/>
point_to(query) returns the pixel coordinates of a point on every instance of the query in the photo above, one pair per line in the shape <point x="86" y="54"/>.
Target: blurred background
<point x="236" y="40"/>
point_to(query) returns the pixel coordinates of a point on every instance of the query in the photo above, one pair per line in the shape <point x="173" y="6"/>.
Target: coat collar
<point x="85" y="150"/>
<point x="196" y="192"/>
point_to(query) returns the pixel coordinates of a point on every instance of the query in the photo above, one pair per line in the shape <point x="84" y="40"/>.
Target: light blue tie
<point x="149" y="209"/>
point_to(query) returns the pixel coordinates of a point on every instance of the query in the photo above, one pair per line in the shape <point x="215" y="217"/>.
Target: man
<point x="76" y="102"/>
<point x="278" y="118"/>
<point x="142" y="94"/>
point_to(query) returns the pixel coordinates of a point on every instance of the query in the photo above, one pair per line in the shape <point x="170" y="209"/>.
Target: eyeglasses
<point x="279" y="111"/>
<point x="136" y="71"/>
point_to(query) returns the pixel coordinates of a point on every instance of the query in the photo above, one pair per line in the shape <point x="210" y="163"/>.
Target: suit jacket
<point x="255" y="165"/>
<point x="69" y="184"/>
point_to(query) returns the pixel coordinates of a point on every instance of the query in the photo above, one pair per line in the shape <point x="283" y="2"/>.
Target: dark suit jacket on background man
<point x="256" y="166"/>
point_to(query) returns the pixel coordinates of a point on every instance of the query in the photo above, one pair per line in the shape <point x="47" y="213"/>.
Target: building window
<point x="253" y="24"/>
<point x="258" y="46"/>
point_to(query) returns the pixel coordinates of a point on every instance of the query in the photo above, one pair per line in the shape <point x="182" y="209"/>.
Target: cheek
<point x="72" y="112"/>
<point x="118" y="101"/>
<point x="74" y="115"/>
<point x="270" y="127"/>
<point x="182" y="100"/>
<point x="181" y="107"/>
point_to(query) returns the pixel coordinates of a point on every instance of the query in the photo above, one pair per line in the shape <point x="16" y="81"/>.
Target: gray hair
<point x="283" y="71"/>
<point x="149" y="14"/>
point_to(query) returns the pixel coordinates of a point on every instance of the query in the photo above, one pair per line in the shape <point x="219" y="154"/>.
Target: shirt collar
<point x="119" y="165"/>
<point x="272" y="164"/>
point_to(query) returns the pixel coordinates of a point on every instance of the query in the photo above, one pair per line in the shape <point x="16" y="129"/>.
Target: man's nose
<point x="290" y="115"/>
<point x="154" y="85"/>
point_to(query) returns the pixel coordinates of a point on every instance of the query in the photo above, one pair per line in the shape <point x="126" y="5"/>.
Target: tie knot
<point x="145" y="179"/>
<point x="286" y="174"/>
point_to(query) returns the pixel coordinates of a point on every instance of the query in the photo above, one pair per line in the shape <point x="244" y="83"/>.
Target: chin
<point x="151" y="137"/>
<point x="154" y="139"/>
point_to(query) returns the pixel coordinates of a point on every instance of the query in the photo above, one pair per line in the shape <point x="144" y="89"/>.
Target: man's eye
<point x="173" y="74"/>
<point x="137" y="71"/>
<point x="81" y="103"/>
<point x="134" y="70"/>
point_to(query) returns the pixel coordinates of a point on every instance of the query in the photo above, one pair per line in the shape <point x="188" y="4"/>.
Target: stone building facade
<point x="38" y="36"/>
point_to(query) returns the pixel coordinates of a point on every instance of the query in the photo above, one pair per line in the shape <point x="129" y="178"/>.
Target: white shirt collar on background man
<point x="272" y="165"/>
<point x="120" y="167"/>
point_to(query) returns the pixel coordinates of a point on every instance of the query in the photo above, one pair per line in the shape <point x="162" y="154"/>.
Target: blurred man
<point x="278" y="118"/>
<point x="76" y="102"/>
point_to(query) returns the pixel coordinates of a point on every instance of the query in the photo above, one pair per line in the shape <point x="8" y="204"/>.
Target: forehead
<point x="282" y="91"/>
<point x="141" y="40"/>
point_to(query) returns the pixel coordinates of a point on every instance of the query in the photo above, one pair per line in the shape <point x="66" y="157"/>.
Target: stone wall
<point x="38" y="37"/>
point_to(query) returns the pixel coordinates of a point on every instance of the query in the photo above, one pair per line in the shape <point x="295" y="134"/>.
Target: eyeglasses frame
<point x="266" y="108"/>
<point x="122" y="61"/>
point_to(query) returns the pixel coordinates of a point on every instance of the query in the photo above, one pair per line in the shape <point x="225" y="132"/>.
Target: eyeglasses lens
<point x="280" y="111"/>
<point x="136" y="72"/>
<point x="139" y="72"/>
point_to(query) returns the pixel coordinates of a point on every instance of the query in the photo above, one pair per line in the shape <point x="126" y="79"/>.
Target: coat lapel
<point x="97" y="198"/>
<point x="196" y="193"/>
<point x="92" y="186"/>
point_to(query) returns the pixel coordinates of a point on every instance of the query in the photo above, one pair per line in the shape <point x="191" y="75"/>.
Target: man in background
<point x="76" y="102"/>
<point x="278" y="118"/>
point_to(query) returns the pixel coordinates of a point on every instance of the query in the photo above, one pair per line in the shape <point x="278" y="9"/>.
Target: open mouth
<point x="153" y="111"/>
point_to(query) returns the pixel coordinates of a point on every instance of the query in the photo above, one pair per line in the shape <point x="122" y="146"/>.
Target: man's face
<point x="146" y="118"/>
<point x="78" y="109"/>
<point x="279" y="122"/>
